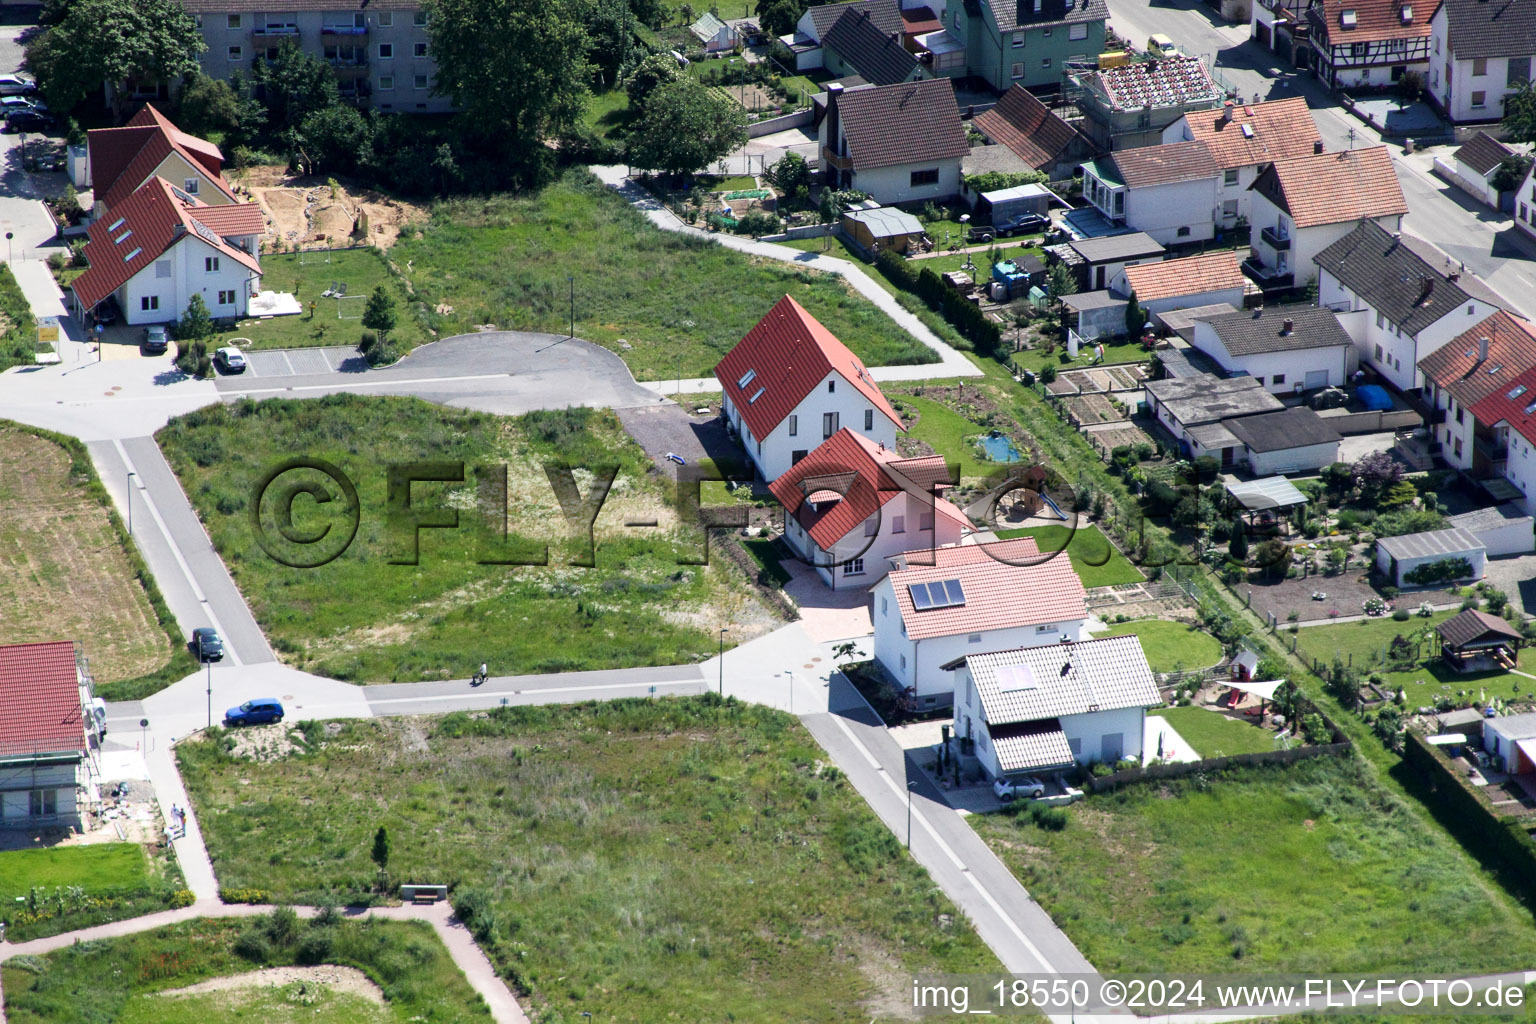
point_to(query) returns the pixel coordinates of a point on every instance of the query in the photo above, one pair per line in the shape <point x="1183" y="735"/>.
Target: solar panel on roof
<point x="920" y="599"/>
<point x="205" y="234"/>
<point x="956" y="592"/>
<point x="1013" y="678"/>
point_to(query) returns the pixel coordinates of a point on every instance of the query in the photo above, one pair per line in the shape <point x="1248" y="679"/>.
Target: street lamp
<point x="210" y="692"/>
<point x="131" y="475"/>
<point x="571" y="279"/>
<point x="10" y="250"/>
<point x="910" y="787"/>
<point x="722" y="660"/>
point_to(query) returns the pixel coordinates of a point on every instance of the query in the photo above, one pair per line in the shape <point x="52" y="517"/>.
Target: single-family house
<point x="804" y="44"/>
<point x="855" y="45"/>
<point x="1101" y="262"/>
<point x="1243" y="140"/>
<point x="1399" y="298"/>
<point x="1304" y="204"/>
<point x="1401" y="558"/>
<point x="1050" y="708"/>
<point x="1182" y="404"/>
<point x="1281" y="26"/>
<point x="1525" y="204"/>
<point x="936" y="606"/>
<point x="789" y="384"/>
<point x="1026" y="42"/>
<point x="898" y="143"/>
<point x="1472" y="165"/>
<point x="154" y="250"/>
<point x="1167" y="191"/>
<point x="1368" y="42"/>
<point x="1484" y="361"/>
<point x="1502" y="529"/>
<point x="1133" y="104"/>
<point x="1482" y="51"/>
<point x="713" y="33"/>
<point x="877" y="228"/>
<point x="1043" y="140"/>
<point x="853" y="503"/>
<point x="1512" y="738"/>
<point x="1289" y="441"/>
<point x="1208" y="278"/>
<point x="48" y="774"/>
<point x="1290" y="348"/>
<point x="120" y="160"/>
<point x="1503" y="444"/>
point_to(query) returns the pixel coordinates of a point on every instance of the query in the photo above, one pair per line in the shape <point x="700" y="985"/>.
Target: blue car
<point x="255" y="712"/>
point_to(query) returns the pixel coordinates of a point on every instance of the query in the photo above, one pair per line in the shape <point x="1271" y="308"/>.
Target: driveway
<point x="827" y="614"/>
<point x="1516" y="576"/>
<point x="666" y="429"/>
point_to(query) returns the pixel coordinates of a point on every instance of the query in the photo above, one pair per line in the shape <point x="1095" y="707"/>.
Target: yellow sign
<point x="48" y="334"/>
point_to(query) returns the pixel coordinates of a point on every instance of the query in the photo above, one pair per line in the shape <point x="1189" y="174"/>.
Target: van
<point x="1160" y="45"/>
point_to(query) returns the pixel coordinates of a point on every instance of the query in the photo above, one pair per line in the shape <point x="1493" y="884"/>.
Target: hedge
<point x="965" y="316"/>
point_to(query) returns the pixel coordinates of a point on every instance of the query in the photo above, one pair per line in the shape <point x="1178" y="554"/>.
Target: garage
<point x="1290" y="441"/>
<point x="1399" y="557"/>
<point x="1502" y="529"/>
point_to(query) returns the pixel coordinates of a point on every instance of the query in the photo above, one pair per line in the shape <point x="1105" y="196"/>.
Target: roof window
<point x="1347" y="18"/>
<point x="746" y="378"/>
<point x="130" y="256"/>
<point x="120" y="239"/>
<point x="1495" y="368"/>
<point x="116" y="224"/>
<point x="756" y="395"/>
<point x="1516" y="392"/>
<point x="1407" y="14"/>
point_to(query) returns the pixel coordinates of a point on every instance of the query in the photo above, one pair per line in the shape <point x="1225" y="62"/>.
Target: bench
<point x="423" y="895"/>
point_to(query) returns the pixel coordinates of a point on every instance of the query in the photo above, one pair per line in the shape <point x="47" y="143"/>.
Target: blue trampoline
<point x="1374" y="397"/>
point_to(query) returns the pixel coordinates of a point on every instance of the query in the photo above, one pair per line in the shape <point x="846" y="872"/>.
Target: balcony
<point x="342" y="63"/>
<point x="1495" y="451"/>
<point x="1275" y="240"/>
<point x="1269" y="278"/>
<point x="344" y="30"/>
<point x="841" y="163"/>
<point x="276" y="30"/>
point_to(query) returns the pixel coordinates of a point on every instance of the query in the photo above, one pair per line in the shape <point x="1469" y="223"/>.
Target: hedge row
<point x="965" y="316"/>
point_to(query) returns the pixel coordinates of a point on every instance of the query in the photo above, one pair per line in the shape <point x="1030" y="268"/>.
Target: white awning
<point x="1264" y="691"/>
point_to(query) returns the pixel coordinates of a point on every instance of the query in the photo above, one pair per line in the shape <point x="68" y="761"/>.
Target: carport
<point x="1262" y="501"/>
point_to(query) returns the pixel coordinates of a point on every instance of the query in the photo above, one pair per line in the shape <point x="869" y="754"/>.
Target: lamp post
<point x="910" y="787"/>
<point x="143" y="735"/>
<point x="131" y="475"/>
<point x="210" y="694"/>
<point x="10" y="250"/>
<point x="571" y="280"/>
<point x="722" y="660"/>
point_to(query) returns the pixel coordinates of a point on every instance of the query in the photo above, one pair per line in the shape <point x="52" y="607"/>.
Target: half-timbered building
<point x="1369" y="42"/>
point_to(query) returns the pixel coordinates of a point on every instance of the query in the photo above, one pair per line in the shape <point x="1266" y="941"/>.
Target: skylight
<point x="120" y="239"/>
<point x="756" y="395"/>
<point x="1247" y="131"/>
<point x="1495" y="368"/>
<point x="1013" y="678"/>
<point x="130" y="256"/>
<point x="746" y="378"/>
<point x="1347" y="17"/>
<point x="1516" y="391"/>
<point x="116" y="224"/>
<point x="1530" y="408"/>
<point x="939" y="594"/>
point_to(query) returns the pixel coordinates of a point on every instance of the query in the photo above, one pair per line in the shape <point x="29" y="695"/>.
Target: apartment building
<point x="378" y="47"/>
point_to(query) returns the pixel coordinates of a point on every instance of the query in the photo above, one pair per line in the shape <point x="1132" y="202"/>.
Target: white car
<point x="229" y="359"/>
<point x="14" y="85"/>
<point x="1028" y="786"/>
<point x="9" y="103"/>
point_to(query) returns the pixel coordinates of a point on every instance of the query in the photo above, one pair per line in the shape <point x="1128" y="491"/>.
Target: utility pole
<point x="131" y="475"/>
<point x="210" y="692"/>
<point x="572" y="280"/>
<point x="722" y="660"/>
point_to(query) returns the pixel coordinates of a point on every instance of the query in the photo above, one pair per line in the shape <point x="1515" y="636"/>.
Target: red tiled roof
<point x="1280" y="130"/>
<point x="862" y="475"/>
<point x="1456" y="368"/>
<point x="1328" y="188"/>
<point x="916" y="21"/>
<point x="122" y="159"/>
<point x="1006" y="584"/>
<point x="1374" y="20"/>
<point x="232" y="219"/>
<point x="1207" y="272"/>
<point x="1026" y="126"/>
<point x="136" y="232"/>
<point x="39" y="699"/>
<point x="790" y="352"/>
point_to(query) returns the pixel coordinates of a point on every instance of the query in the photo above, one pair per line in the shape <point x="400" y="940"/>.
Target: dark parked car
<point x="156" y="340"/>
<point x="206" y="644"/>
<point x="27" y="120"/>
<point x="255" y="712"/>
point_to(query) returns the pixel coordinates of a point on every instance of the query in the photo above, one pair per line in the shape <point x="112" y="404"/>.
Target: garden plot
<point x="1108" y="437"/>
<point x="1127" y="377"/>
<point x="1085" y="410"/>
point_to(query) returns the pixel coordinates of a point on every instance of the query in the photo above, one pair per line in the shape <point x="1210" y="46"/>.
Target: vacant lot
<point x="678" y="302"/>
<point x="64" y="573"/>
<point x="362" y="617"/>
<point x="1302" y="868"/>
<point x="647" y="861"/>
<point x="408" y="976"/>
<point x="1364" y="644"/>
<point x="1170" y="646"/>
<point x="1216" y="735"/>
<point x="1098" y="562"/>
<point x="334" y="321"/>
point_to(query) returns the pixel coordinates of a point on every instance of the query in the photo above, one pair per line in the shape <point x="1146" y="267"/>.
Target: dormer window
<point x="1347" y="18"/>
<point x="1407" y="14"/>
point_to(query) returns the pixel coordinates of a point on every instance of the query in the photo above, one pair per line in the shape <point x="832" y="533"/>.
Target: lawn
<point x="951" y="435"/>
<point x="66" y="571"/>
<point x="768" y="560"/>
<point x="679" y="859"/>
<point x="608" y="112"/>
<point x="48" y="890"/>
<point x="1215" y="735"/>
<point x="1364" y="643"/>
<point x="118" y="979"/>
<point x="361" y="617"/>
<point x="1306" y="867"/>
<point x="1171" y="646"/>
<point x="1098" y="562"/>
<point x="678" y="302"/>
<point x="361" y="270"/>
<point x="99" y="867"/>
<point x="1119" y="351"/>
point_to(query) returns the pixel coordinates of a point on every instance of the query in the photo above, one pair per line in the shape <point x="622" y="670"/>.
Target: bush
<point x="1052" y="819"/>
<point x="57" y="261"/>
<point x="252" y="945"/>
<point x="757" y="223"/>
<point x="1442" y="571"/>
<point x="181" y="898"/>
<point x="243" y="895"/>
<point x="474" y="907"/>
<point x="317" y="946"/>
<point x="1401" y="615"/>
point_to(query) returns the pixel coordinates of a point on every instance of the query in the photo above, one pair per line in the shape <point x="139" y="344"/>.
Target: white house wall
<point x="873" y="551"/>
<point x="1400" y="353"/>
<point x="17" y="784"/>
<point x="1520" y="470"/>
<point x="1231" y="295"/>
<point x="1293" y="460"/>
<point x="892" y="185"/>
<point x="1477" y="559"/>
<point x="1291" y="366"/>
<point x="185" y="259"/>
<point x="1090" y="734"/>
<point x="1163" y="211"/>
<point x="1451" y="82"/>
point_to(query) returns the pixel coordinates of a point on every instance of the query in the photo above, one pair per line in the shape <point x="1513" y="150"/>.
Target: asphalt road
<point x="551" y="688"/>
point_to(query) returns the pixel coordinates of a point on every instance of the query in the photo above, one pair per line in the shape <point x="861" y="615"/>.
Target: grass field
<point x="671" y="860"/>
<point x="1306" y="867"/>
<point x="1120" y="351"/>
<point x="116" y="979"/>
<point x="1170" y="646"/>
<point x="18" y="339"/>
<point x="100" y="867"/>
<point x="48" y="890"/>
<point x="1362" y="644"/>
<point x="679" y="302"/>
<point x="361" y="270"/>
<point x="1097" y="561"/>
<point x="64" y="570"/>
<point x="362" y="618"/>
<point x="1216" y="735"/>
<point x="951" y="435"/>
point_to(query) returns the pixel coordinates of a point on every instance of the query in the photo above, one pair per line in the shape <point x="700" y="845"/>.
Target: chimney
<point x="834" y="90"/>
<point x="1426" y="287"/>
<point x="1286" y="326"/>
<point x="1453" y="276"/>
<point x="1226" y="112"/>
<point x="1482" y="349"/>
<point x="1317" y="148"/>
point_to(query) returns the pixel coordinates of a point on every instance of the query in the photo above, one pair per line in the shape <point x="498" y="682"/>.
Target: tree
<point x="685" y="127"/>
<point x="649" y="75"/>
<point x="849" y="650"/>
<point x="778" y="17"/>
<point x="517" y="69"/>
<point x="687" y="13"/>
<point x="826" y="214"/>
<point x="1135" y="318"/>
<point x="1273" y="556"/>
<point x="791" y="175"/>
<point x="1061" y="282"/>
<point x="1374" y="472"/>
<point x="294" y="85"/>
<point x="380" y="852"/>
<point x="195" y="324"/>
<point x="214" y="106"/>
<point x="1520" y="115"/>
<point x="1237" y="547"/>
<point x="1510" y="173"/>
<point x="336" y="138"/>
<point x="125" y="43"/>
<point x="380" y="312"/>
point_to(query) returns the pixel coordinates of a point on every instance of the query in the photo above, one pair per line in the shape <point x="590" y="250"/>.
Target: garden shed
<point x="1513" y="739"/>
<point x="1262" y="501"/>
<point x="876" y="229"/>
<point x="1477" y="641"/>
<point x="1502" y="529"/>
<point x="1399" y="557"/>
